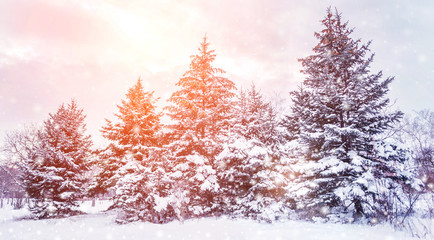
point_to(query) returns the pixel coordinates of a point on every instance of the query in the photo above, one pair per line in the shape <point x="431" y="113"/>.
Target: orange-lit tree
<point x="137" y="124"/>
<point x="127" y="164"/>
<point x="200" y="110"/>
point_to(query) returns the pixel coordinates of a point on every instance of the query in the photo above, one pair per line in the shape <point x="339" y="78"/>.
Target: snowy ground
<point x="98" y="225"/>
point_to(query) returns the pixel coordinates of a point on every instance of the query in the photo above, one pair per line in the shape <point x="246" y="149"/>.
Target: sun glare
<point x="141" y="39"/>
<point x="132" y="26"/>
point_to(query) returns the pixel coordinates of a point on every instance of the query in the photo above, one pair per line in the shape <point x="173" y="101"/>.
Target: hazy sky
<point x="93" y="51"/>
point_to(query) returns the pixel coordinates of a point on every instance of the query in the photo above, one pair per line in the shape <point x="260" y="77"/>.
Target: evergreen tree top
<point x="66" y="128"/>
<point x="201" y="63"/>
<point x="256" y="117"/>
<point x="341" y="104"/>
<point x="203" y="100"/>
<point x="337" y="56"/>
<point x="137" y="121"/>
<point x="64" y="144"/>
<point x="202" y="79"/>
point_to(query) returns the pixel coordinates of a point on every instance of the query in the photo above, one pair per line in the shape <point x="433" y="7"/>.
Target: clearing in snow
<point x="100" y="225"/>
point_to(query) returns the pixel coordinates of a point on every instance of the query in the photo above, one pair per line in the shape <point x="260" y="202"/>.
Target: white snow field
<point x="97" y="225"/>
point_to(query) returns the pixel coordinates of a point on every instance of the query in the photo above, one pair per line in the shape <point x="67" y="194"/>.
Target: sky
<point x="54" y="50"/>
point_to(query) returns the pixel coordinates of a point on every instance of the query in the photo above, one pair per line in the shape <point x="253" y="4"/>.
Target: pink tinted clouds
<point x="52" y="51"/>
<point x="50" y="22"/>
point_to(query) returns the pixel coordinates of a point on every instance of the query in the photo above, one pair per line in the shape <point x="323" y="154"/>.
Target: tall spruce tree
<point x="134" y="165"/>
<point x="200" y="110"/>
<point x="337" y="114"/>
<point x="54" y="170"/>
<point x="131" y="137"/>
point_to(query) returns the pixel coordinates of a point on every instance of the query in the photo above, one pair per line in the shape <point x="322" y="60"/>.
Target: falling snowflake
<point x="221" y="164"/>
<point x="325" y="210"/>
<point x="258" y="197"/>
<point x="136" y="129"/>
<point x="424" y="178"/>
<point x="346" y="107"/>
<point x="51" y="208"/>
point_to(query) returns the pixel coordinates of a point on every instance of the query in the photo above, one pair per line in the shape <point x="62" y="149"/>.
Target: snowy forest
<point x="340" y="154"/>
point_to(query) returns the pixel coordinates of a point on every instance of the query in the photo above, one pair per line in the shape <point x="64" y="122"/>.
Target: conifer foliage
<point x="337" y="114"/>
<point x="132" y="166"/>
<point x="137" y="121"/>
<point x="202" y="104"/>
<point x="58" y="156"/>
<point x="250" y="171"/>
<point x="201" y="112"/>
<point x="135" y="129"/>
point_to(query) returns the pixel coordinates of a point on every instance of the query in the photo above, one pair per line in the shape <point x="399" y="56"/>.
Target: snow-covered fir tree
<point x="128" y="166"/>
<point x="137" y="124"/>
<point x="200" y="110"/>
<point x="54" y="172"/>
<point x="337" y="114"/>
<point x="392" y="180"/>
<point x="144" y="189"/>
<point x="252" y="173"/>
